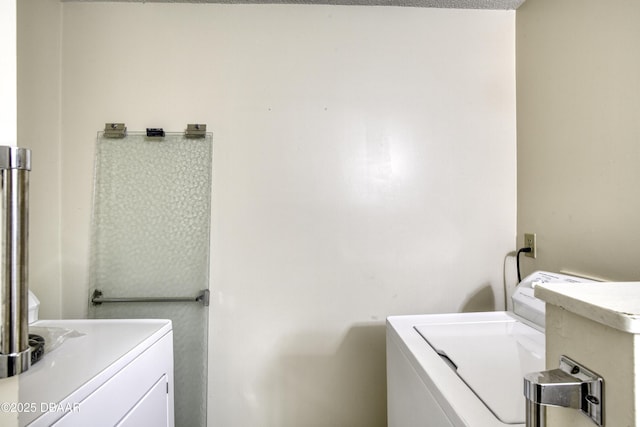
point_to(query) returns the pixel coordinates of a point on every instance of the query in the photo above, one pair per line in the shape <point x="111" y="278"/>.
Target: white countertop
<point x="81" y="364"/>
<point x="614" y="304"/>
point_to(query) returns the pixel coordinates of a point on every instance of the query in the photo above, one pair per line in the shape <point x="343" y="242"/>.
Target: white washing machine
<point x="100" y="373"/>
<point x="466" y="369"/>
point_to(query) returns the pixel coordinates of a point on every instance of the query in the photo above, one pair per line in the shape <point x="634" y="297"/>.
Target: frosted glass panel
<point x="150" y="238"/>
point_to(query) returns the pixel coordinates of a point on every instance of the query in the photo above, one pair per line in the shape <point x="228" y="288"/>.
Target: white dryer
<point x="466" y="369"/>
<point x="109" y="372"/>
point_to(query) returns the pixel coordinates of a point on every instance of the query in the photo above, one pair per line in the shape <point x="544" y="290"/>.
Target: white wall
<point x="39" y="52"/>
<point x="8" y="93"/>
<point x="578" y="71"/>
<point x="364" y="165"/>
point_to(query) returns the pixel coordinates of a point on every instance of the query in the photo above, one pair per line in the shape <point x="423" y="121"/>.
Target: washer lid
<point x="492" y="359"/>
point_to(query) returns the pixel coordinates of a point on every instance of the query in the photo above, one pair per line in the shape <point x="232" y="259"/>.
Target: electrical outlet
<point x="530" y="242"/>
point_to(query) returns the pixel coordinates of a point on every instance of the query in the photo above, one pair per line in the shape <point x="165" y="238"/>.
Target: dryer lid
<point x="491" y="358"/>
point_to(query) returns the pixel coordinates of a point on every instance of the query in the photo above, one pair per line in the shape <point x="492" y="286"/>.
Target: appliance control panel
<point x="526" y="305"/>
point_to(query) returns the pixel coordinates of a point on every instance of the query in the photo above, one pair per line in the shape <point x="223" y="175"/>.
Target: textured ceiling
<point x="455" y="4"/>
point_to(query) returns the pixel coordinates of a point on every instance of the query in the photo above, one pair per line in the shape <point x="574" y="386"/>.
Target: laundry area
<point x="372" y="170"/>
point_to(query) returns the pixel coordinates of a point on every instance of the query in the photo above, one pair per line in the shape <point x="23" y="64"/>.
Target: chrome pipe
<point x="535" y="415"/>
<point x="15" y="164"/>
